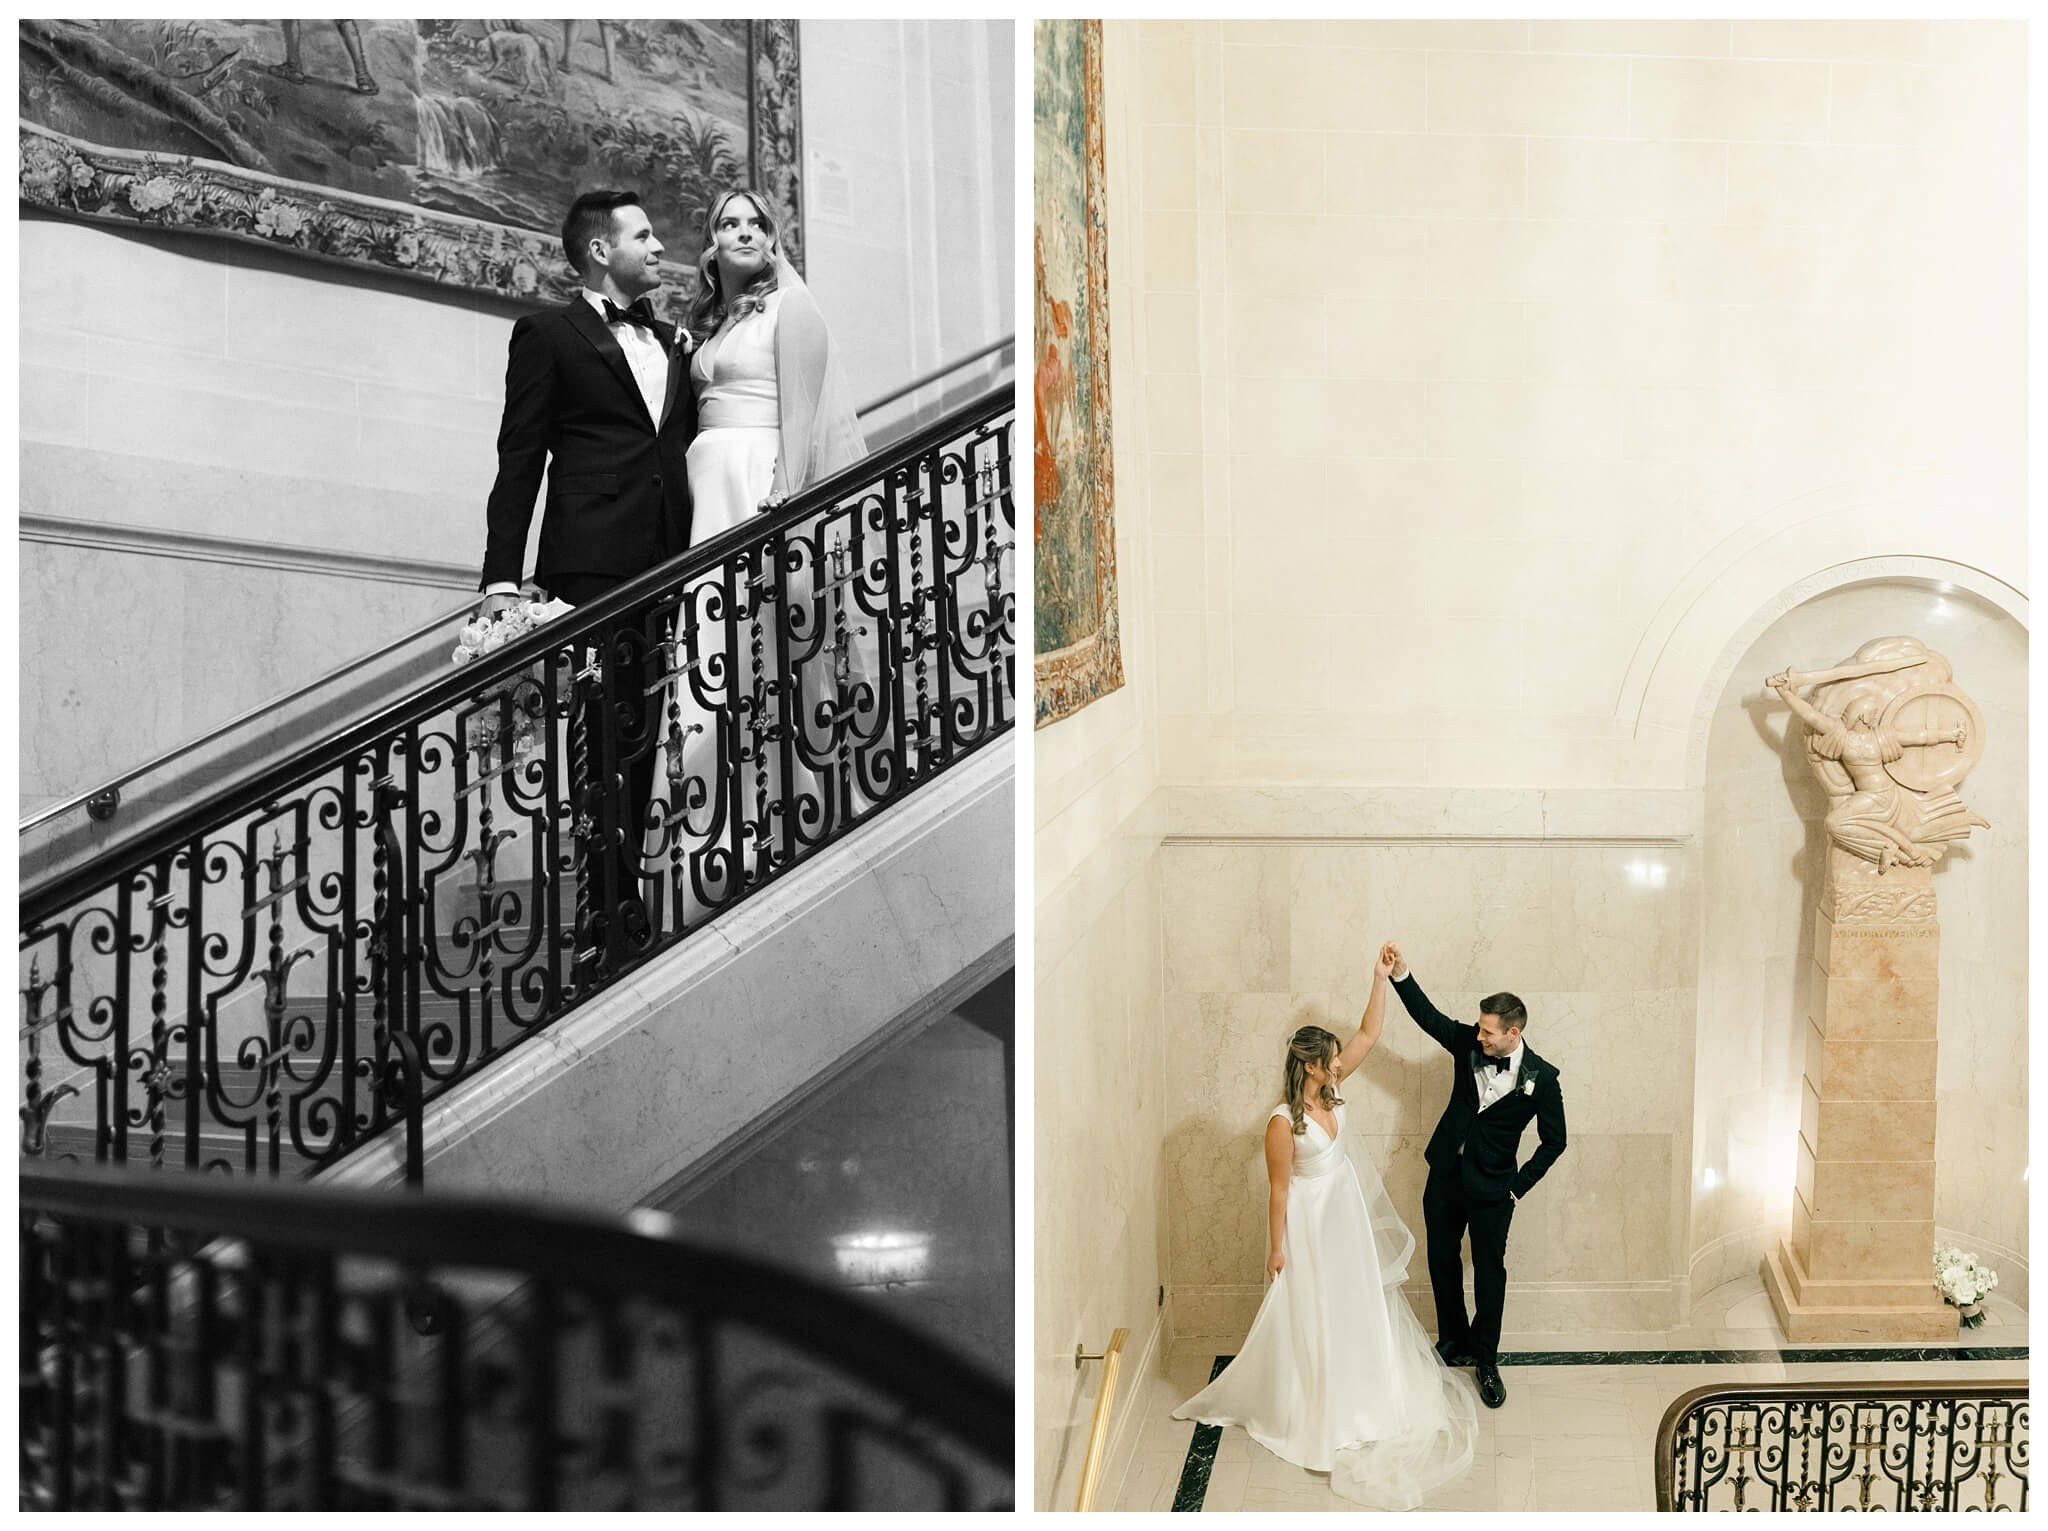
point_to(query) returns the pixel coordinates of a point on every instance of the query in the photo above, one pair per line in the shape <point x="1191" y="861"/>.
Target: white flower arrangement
<point x="1963" y="1282"/>
<point x="480" y="636"/>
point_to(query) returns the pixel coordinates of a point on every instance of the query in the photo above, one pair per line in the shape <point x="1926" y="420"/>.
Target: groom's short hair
<point x="1507" y="1009"/>
<point x="590" y="215"/>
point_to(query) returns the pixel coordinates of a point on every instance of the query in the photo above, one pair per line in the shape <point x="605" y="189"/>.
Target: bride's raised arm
<point x="1371" y="1024"/>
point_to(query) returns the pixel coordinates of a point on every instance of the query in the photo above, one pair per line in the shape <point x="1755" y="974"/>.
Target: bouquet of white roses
<point x="528" y="689"/>
<point x="1963" y="1282"/>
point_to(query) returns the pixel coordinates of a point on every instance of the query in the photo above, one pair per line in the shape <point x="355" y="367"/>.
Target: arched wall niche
<point x="1794" y="552"/>
<point x="1761" y="854"/>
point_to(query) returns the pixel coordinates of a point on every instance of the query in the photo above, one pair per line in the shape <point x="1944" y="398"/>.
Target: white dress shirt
<point x="644" y="354"/>
<point x="1496" y="1083"/>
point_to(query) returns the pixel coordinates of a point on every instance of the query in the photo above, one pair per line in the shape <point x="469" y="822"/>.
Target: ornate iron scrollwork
<point x="191" y="1343"/>
<point x="1840" y="1446"/>
<point x="305" y="959"/>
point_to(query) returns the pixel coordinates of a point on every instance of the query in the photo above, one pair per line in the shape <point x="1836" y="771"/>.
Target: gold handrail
<point x="1098" y="1428"/>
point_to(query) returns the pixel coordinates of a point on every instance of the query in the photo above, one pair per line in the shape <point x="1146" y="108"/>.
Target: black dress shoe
<point x="1492" y="1391"/>
<point x="1454" y="1355"/>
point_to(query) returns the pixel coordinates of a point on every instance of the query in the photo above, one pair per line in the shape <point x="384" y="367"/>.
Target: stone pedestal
<point x="1859" y="1264"/>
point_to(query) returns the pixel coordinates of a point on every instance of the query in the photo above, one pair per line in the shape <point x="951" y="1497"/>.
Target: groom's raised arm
<point x="1450" y="1035"/>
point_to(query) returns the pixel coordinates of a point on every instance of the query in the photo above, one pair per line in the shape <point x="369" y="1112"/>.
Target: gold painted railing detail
<point x="1845" y="1446"/>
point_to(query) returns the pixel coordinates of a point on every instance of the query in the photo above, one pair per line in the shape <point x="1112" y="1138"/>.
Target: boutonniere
<point x="1529" y="1085"/>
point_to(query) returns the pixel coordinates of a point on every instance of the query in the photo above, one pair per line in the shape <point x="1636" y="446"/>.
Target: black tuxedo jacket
<point x="1489" y="1139"/>
<point x="618" y="495"/>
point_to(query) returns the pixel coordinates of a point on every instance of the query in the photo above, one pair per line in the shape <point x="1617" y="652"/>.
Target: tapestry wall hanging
<point x="441" y="150"/>
<point x="1079" y="658"/>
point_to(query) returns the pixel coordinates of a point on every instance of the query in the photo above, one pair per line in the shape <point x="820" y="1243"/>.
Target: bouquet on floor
<point x="527" y="690"/>
<point x="1964" y="1283"/>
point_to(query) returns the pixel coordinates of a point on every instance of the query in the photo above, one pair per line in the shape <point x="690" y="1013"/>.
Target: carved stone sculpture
<point x="1890" y="738"/>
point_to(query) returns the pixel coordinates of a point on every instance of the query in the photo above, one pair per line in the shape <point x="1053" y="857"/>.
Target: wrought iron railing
<point x="104" y="799"/>
<point x="192" y="1343"/>
<point x="309" y="955"/>
<point x="1845" y="1446"/>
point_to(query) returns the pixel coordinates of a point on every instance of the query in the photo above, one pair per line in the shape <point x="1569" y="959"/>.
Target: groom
<point x="596" y="395"/>
<point x="1497" y="1087"/>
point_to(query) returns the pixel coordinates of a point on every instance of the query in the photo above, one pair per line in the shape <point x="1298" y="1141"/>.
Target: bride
<point x="773" y="418"/>
<point x="1336" y="1375"/>
<point x="772" y="412"/>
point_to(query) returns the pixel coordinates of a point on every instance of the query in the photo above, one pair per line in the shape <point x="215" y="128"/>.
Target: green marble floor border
<point x="1201" y="1458"/>
<point x="1194" y="1472"/>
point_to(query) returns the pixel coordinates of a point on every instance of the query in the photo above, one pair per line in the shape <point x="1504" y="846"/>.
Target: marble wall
<point x="1762" y="864"/>
<point x="1101" y="1071"/>
<point x="1500" y="369"/>
<point x="1263" y="936"/>
<point x="264" y="467"/>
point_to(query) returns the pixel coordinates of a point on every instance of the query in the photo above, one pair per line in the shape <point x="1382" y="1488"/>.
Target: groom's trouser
<point x="623" y="869"/>
<point x="1447" y="1214"/>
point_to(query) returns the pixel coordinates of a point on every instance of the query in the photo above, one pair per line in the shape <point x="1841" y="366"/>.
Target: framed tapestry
<point x="441" y="150"/>
<point x="1079" y="657"/>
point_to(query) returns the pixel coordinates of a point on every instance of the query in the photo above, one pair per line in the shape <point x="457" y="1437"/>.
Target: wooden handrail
<point x="1098" y="1428"/>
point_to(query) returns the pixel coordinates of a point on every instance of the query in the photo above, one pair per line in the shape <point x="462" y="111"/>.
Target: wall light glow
<point x="1710" y="1179"/>
<point x="881" y="1257"/>
<point x="1648" y="874"/>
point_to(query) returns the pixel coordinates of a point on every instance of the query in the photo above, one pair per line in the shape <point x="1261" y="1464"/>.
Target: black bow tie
<point x="1482" y="1060"/>
<point x="639" y="314"/>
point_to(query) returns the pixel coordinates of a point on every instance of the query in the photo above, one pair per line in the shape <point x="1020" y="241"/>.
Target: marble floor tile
<point x="1477" y="1489"/>
<point x="1269" y="1471"/>
<point x="1162" y="1432"/>
<point x="1752" y="1313"/>
<point x="1565" y="1482"/>
<point x="1514" y="1462"/>
<point x="1571" y="1438"/>
<point x="1151" y="1483"/>
<point x="1227" y="1484"/>
<point x="1309" y="1497"/>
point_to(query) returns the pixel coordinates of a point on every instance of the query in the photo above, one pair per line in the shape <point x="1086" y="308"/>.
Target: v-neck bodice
<point x="1316" y="1152"/>
<point x="734" y="373"/>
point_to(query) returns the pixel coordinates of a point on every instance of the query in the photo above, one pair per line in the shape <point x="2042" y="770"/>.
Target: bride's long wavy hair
<point x="709" y="308"/>
<point x="1309" y="1045"/>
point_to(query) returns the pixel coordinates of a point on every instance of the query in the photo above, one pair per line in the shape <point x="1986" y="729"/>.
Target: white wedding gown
<point x="731" y="459"/>
<point x="1336" y="1375"/>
